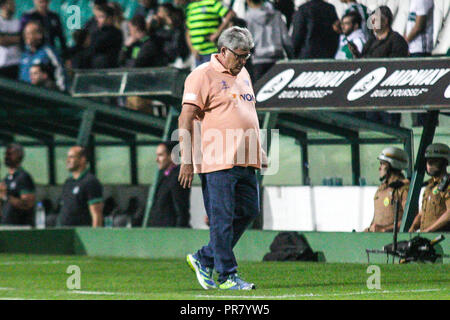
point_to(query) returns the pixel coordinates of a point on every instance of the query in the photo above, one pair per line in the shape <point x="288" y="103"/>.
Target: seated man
<point x="36" y="52"/>
<point x="393" y="190"/>
<point x="434" y="215"/>
<point x="171" y="205"/>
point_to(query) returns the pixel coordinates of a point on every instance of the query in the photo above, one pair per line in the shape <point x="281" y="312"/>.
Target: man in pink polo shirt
<point x="218" y="95"/>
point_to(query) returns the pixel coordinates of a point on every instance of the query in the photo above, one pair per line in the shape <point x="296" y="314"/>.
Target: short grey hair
<point x="236" y="38"/>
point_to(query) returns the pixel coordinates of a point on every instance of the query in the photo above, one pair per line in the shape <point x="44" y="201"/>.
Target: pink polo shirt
<point x="229" y="127"/>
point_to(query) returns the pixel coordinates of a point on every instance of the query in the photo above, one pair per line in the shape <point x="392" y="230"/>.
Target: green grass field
<point x="45" y="277"/>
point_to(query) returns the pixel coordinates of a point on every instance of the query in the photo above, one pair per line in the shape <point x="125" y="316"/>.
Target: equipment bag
<point x="290" y="246"/>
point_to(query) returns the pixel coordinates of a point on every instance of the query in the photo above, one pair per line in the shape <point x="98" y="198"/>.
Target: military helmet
<point x="397" y="158"/>
<point x="438" y="150"/>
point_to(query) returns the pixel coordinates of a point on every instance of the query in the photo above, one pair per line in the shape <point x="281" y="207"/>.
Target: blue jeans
<point x="231" y="199"/>
<point x="202" y="59"/>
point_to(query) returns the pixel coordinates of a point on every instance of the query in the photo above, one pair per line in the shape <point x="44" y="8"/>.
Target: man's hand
<point x="186" y="175"/>
<point x="337" y="27"/>
<point x="376" y="228"/>
<point x="214" y="37"/>
<point x="353" y="49"/>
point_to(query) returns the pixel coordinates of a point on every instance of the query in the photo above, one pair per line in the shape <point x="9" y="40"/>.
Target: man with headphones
<point x="435" y="212"/>
<point x="392" y="191"/>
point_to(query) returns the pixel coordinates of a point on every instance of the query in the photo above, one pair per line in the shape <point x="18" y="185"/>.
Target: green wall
<point x="176" y="243"/>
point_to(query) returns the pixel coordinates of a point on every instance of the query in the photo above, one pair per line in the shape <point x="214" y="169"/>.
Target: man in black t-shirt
<point x="82" y="194"/>
<point x="17" y="191"/>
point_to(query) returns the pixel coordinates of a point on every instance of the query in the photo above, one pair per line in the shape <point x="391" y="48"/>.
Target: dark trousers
<point x="202" y="59"/>
<point x="231" y="199"/>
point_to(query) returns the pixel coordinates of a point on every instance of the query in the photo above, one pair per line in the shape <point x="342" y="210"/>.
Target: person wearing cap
<point x="393" y="189"/>
<point x="435" y="212"/>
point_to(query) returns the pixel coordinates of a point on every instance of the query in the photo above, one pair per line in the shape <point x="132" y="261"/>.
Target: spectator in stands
<point x="41" y="75"/>
<point x="386" y="43"/>
<point x="434" y="215"/>
<point x="141" y="49"/>
<point x="147" y="9"/>
<point x="17" y="190"/>
<point x="270" y="35"/>
<point x="106" y="42"/>
<point x="351" y="32"/>
<point x="82" y="193"/>
<point x="419" y="35"/>
<point x="91" y="25"/>
<point x="50" y="22"/>
<point x="9" y="40"/>
<point x="287" y="8"/>
<point x="353" y="6"/>
<point x="37" y="51"/>
<point x="394" y="188"/>
<point x="419" y="28"/>
<point x="203" y="31"/>
<point x="78" y="56"/>
<point x="168" y="27"/>
<point x="171" y="203"/>
<point x="119" y="21"/>
<point x="313" y="36"/>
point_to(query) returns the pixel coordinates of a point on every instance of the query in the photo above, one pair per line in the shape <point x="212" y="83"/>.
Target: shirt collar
<point x="81" y="174"/>
<point x="11" y="176"/>
<point x="218" y="66"/>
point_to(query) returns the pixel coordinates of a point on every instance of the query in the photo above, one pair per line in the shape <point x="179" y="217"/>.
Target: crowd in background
<point x="184" y="33"/>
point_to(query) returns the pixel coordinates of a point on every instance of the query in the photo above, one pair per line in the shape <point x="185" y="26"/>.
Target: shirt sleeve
<point x="94" y="192"/>
<point x="221" y="9"/>
<point x="25" y="185"/>
<point x="196" y="89"/>
<point x="422" y="7"/>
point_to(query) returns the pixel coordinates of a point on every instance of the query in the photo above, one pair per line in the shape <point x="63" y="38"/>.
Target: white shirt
<point x="358" y="37"/>
<point x="423" y="43"/>
<point x="9" y="55"/>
